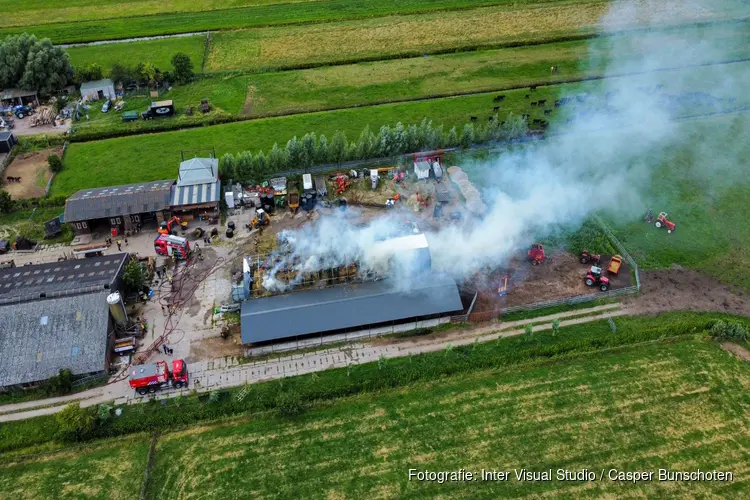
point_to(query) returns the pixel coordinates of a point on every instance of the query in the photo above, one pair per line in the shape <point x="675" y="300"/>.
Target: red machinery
<point x="151" y="378"/>
<point x="536" y="254"/>
<point x="662" y="221"/>
<point x="167" y="226"/>
<point x="169" y="244"/>
<point x="595" y="278"/>
<point x="587" y="257"/>
<point x="341" y="182"/>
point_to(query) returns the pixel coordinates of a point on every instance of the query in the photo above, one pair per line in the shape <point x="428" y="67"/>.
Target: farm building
<point x="197" y="191"/>
<point x="99" y="89"/>
<point x="15" y="97"/>
<point x="55" y="316"/>
<point x="374" y="306"/>
<point x="118" y="208"/>
<point x="7" y="141"/>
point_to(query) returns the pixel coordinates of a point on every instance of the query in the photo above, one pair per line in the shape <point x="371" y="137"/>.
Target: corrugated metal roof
<point x="38" y="339"/>
<point x="195" y="194"/>
<point x="112" y="201"/>
<point x="28" y="283"/>
<point x="348" y="306"/>
<point x="15" y="93"/>
<point x="97" y="84"/>
<point x="198" y="171"/>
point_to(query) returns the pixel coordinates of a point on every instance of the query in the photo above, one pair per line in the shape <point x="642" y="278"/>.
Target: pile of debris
<point x="473" y="199"/>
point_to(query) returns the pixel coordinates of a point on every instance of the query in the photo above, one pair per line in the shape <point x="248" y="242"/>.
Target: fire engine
<point x="169" y="244"/>
<point x="151" y="378"/>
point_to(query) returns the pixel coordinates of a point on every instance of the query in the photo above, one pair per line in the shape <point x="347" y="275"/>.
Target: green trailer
<point x="130" y="116"/>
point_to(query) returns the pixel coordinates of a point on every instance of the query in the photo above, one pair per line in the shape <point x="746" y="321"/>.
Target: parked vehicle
<point x="147" y="379"/>
<point x="107" y="105"/>
<point x="158" y="109"/>
<point x="587" y="257"/>
<point x="130" y="116"/>
<point x="169" y="245"/>
<point x="595" y="278"/>
<point x="662" y="221"/>
<point x="22" y="111"/>
<point x="536" y="254"/>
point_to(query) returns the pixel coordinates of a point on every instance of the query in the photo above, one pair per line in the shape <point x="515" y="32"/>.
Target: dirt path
<point x="737" y="350"/>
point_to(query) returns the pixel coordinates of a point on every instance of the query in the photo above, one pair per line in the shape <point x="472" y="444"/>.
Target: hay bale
<point x="474" y="201"/>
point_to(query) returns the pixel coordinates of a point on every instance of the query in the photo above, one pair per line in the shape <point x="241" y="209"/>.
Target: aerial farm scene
<point x="374" y="249"/>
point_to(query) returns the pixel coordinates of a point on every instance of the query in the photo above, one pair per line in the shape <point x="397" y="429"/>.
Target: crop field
<point x="292" y="47"/>
<point x="96" y="163"/>
<point x="157" y="52"/>
<point x="78" y="21"/>
<point x="105" y="469"/>
<point x="678" y="406"/>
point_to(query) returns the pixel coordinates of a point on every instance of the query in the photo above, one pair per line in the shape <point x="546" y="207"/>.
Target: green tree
<point x="412" y="139"/>
<point x="88" y="73"/>
<point x="293" y="151"/>
<point x="245" y="167"/>
<point x="398" y="139"/>
<point x="321" y="150"/>
<point x="308" y="149"/>
<point x="226" y="167"/>
<point x="555" y="327"/>
<point x="47" y="68"/>
<point x="6" y="202"/>
<point x="451" y="138"/>
<point x="261" y="166"/>
<point x="183" y="68"/>
<point x="122" y="74"/>
<point x="14" y="53"/>
<point x="277" y="159"/>
<point x="134" y="277"/>
<point x="75" y="423"/>
<point x="384" y="146"/>
<point x="59" y="384"/>
<point x="55" y="163"/>
<point x="467" y="136"/>
<point x="337" y="148"/>
<point x="147" y="72"/>
<point x="515" y="127"/>
<point x="366" y="144"/>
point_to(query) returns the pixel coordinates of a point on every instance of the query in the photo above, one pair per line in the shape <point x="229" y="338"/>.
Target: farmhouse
<point x="370" y="308"/>
<point x="99" y="89"/>
<point x="55" y="316"/>
<point x="14" y="97"/>
<point x="197" y="191"/>
<point x="117" y="209"/>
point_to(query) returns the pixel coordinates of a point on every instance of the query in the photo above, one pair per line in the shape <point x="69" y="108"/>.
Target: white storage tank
<point x="117" y="308"/>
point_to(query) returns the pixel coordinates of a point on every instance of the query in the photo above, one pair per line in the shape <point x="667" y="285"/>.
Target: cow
<point x="473" y="118"/>
<point x="547" y="112"/>
<point x="542" y="102"/>
<point x="496" y="109"/>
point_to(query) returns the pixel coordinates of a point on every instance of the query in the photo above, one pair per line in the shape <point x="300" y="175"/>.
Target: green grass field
<point x="679" y="406"/>
<point x="98" y="163"/>
<point x="157" y="52"/>
<point x="78" y="21"/>
<point x="105" y="469"/>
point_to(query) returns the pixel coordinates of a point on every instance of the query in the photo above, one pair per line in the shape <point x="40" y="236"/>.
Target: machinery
<point x="341" y="182"/>
<point x="374" y="177"/>
<point x="536" y="254"/>
<point x="147" y="379"/>
<point x="205" y="106"/>
<point x="614" y="265"/>
<point x="593" y="258"/>
<point x="595" y="278"/>
<point x="22" y="111"/>
<point x="158" y="109"/>
<point x="662" y="221"/>
<point x="261" y="219"/>
<point x="171" y="245"/>
<point x="170" y="226"/>
<point x="293" y="197"/>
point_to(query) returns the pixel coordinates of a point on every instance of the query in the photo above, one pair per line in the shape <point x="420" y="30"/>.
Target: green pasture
<point x="157" y="52"/>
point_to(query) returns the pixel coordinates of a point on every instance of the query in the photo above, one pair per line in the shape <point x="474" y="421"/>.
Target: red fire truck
<point x="169" y="244"/>
<point x="151" y="378"/>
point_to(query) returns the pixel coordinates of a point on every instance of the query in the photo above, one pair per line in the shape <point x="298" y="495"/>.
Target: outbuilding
<point x="16" y="97"/>
<point x="197" y="192"/>
<point x="7" y="141"/>
<point x="98" y="89"/>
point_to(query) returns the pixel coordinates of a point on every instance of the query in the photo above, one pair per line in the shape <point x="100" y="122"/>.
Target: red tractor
<point x="536" y="254"/>
<point x="662" y="221"/>
<point x="593" y="258"/>
<point x="595" y="278"/>
<point x="147" y="379"/>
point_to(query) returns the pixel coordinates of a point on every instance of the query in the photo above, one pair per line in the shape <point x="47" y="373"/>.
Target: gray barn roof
<point x="129" y="199"/>
<point x="198" y="171"/>
<point x="68" y="277"/>
<point x="97" y="84"/>
<point x="348" y="306"/>
<point x="39" y="338"/>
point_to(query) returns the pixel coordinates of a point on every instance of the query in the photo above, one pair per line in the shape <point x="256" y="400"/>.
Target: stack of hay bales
<point x="474" y="201"/>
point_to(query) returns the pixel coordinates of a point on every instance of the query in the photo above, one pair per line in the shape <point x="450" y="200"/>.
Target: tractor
<point x="662" y="221"/>
<point x="593" y="258"/>
<point x="536" y="254"/>
<point x="595" y="278"/>
<point x="261" y="219"/>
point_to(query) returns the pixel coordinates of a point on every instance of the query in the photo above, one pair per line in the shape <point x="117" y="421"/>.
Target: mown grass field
<point x="157" y="52"/>
<point x="99" y="163"/>
<point x="106" y="469"/>
<point x="681" y="406"/>
<point x="80" y="21"/>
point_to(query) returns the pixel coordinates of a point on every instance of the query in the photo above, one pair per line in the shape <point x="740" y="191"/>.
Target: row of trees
<point x="32" y="64"/>
<point x="311" y="150"/>
<point x="146" y="72"/>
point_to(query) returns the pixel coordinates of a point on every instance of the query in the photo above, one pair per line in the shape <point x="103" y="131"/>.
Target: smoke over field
<point x="600" y="156"/>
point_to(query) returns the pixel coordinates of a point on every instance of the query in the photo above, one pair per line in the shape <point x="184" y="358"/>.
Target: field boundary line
<point x="206" y="49"/>
<point x="149" y="463"/>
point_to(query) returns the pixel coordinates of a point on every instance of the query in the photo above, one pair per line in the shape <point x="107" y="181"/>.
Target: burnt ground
<point x="560" y="277"/>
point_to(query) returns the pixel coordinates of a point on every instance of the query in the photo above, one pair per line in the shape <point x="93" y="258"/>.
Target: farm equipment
<point x="147" y="379"/>
<point x="205" y="106"/>
<point x="341" y="183"/>
<point x="261" y="219"/>
<point x="536" y="254"/>
<point x="293" y="198"/>
<point x="171" y="245"/>
<point x="614" y="265"/>
<point x="158" y="109"/>
<point x="169" y="226"/>
<point x="130" y="116"/>
<point x="595" y="278"/>
<point x="593" y="258"/>
<point x="662" y="221"/>
<point x="22" y="111"/>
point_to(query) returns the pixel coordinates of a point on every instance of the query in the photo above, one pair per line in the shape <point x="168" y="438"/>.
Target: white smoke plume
<point x="598" y="160"/>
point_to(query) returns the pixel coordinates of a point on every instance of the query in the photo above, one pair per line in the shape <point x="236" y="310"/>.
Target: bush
<point x="75" y="423"/>
<point x="289" y="404"/>
<point x="729" y="330"/>
<point x="55" y="163"/>
<point x="60" y="384"/>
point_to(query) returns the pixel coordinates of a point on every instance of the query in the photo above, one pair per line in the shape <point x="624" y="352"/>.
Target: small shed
<point x="14" y="97"/>
<point x="422" y="169"/>
<point x="7" y="141"/>
<point x="98" y="89"/>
